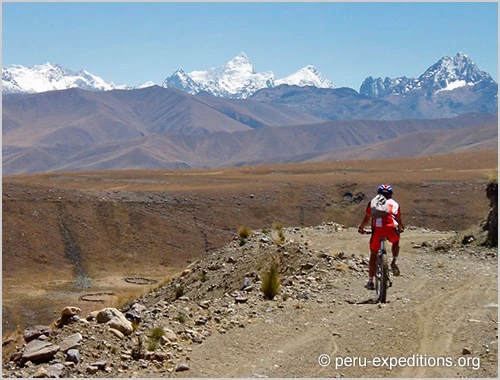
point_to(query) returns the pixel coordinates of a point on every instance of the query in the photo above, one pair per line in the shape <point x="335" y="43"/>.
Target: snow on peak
<point x="447" y="74"/>
<point x="453" y="85"/>
<point x="448" y="70"/>
<point x="306" y="76"/>
<point x="48" y="77"/>
<point x="238" y="79"/>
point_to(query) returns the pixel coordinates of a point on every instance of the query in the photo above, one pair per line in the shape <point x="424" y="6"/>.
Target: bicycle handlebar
<point x="367" y="232"/>
<point x="364" y="232"/>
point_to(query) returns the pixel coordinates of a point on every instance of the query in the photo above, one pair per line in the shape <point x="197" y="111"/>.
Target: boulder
<point x="115" y="319"/>
<point x="73" y="356"/>
<point x="68" y="315"/>
<point x="38" y="351"/>
<point x="41" y="373"/>
<point x="169" y="334"/>
<point x="121" y="324"/>
<point x="133" y="316"/>
<point x="70" y="342"/>
<point x="105" y="315"/>
<point x="117" y="333"/>
<point x="70" y="311"/>
<point x="182" y="367"/>
<point x="34" y="332"/>
<point x="57" y="370"/>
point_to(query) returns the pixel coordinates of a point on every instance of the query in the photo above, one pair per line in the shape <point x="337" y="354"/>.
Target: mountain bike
<point x="383" y="274"/>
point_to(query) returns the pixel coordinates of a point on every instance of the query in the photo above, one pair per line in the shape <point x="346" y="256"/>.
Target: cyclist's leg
<point x="395" y="251"/>
<point x="394" y="239"/>
<point x="372" y="264"/>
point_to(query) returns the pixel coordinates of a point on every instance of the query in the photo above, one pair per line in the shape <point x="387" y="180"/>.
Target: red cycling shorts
<point x="392" y="233"/>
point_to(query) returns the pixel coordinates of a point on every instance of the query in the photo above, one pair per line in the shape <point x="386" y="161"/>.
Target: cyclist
<point x="389" y="226"/>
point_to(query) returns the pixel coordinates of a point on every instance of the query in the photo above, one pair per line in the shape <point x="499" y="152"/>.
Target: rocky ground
<point x="213" y="320"/>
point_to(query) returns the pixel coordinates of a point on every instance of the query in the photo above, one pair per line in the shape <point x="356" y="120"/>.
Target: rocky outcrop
<point x="36" y="331"/>
<point x="39" y="351"/>
<point x="491" y="225"/>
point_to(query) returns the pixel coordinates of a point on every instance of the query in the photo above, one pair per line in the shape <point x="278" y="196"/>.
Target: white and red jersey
<point x="389" y="220"/>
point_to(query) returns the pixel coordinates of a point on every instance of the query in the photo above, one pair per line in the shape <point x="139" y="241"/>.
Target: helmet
<point x="385" y="189"/>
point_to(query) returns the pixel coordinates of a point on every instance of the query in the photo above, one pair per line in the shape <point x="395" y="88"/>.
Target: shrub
<point x="182" y="318"/>
<point x="271" y="282"/>
<point x="154" y="338"/>
<point x="493" y="176"/>
<point x="203" y="277"/>
<point x="135" y="325"/>
<point x="281" y="234"/>
<point x="244" y="232"/>
<point x="178" y="291"/>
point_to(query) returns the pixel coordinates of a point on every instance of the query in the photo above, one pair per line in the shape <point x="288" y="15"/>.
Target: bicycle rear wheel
<point x="384" y="279"/>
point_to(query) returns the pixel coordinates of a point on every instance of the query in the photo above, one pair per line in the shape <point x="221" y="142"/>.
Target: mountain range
<point x="156" y="127"/>
<point x="234" y="116"/>
<point x="238" y="79"/>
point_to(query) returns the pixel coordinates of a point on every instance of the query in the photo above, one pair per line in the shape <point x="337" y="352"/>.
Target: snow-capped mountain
<point x="238" y="79"/>
<point x="49" y="77"/>
<point x="447" y="74"/>
<point x="183" y="82"/>
<point x="307" y="76"/>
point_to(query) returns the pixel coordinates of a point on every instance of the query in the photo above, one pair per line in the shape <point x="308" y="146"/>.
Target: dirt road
<point x="442" y="306"/>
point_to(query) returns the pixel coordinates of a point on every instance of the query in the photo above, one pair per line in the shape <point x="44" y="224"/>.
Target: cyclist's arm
<point x="401" y="226"/>
<point x="364" y="222"/>
<point x="366" y="219"/>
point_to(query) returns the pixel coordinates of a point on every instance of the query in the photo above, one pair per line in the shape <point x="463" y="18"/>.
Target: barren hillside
<point x="112" y="131"/>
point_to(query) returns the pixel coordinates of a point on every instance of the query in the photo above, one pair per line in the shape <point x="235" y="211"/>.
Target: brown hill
<point x="328" y="140"/>
<point x="422" y="144"/>
<point x="77" y="117"/>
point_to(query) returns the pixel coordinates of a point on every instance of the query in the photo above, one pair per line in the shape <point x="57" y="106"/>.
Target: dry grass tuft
<point x="244" y="231"/>
<point x="154" y="336"/>
<point x="271" y="282"/>
<point x="493" y="176"/>
<point x="280" y="239"/>
<point x="178" y="291"/>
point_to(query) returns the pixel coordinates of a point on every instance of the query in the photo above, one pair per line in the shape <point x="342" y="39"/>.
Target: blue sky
<point x="131" y="43"/>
